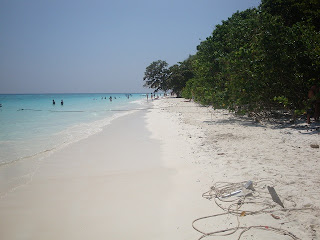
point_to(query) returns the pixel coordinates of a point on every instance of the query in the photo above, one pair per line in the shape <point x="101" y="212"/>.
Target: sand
<point x="227" y="148"/>
<point x="143" y="177"/>
<point x="112" y="185"/>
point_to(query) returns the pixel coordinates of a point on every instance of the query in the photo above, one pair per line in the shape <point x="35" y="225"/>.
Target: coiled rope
<point x="226" y="197"/>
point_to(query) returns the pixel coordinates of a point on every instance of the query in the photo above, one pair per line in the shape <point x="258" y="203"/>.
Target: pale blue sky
<point x="64" y="46"/>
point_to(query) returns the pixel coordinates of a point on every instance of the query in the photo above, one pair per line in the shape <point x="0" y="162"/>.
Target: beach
<point x="143" y="177"/>
<point x="226" y="149"/>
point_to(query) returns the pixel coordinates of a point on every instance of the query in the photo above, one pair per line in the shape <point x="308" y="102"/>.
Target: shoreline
<point x="143" y="177"/>
<point x="77" y="191"/>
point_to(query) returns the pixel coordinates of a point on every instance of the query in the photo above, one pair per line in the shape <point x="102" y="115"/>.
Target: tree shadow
<point x="273" y="123"/>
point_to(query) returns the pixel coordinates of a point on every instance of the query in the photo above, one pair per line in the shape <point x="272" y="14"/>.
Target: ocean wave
<point x="139" y="101"/>
<point x="81" y="131"/>
<point x="68" y="136"/>
<point x="35" y="155"/>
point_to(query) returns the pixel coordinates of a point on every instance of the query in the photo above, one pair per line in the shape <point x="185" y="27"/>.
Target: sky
<point x="92" y="46"/>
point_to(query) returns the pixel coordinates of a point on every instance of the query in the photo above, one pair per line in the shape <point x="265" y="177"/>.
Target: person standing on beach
<point x="314" y="103"/>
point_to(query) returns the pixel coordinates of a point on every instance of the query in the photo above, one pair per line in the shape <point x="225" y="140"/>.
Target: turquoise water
<point x="32" y="128"/>
<point x="31" y="124"/>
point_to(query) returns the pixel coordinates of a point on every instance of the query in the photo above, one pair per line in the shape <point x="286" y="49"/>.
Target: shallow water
<point x="31" y="127"/>
<point x="31" y="124"/>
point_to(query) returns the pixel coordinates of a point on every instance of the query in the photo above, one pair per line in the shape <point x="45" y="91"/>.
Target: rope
<point x="225" y="193"/>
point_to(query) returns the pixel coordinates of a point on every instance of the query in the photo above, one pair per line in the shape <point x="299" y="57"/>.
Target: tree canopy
<point x="156" y="75"/>
<point x="257" y="60"/>
<point x="180" y="74"/>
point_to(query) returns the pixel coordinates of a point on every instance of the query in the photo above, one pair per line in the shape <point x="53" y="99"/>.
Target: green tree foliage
<point x="294" y="11"/>
<point x="225" y="62"/>
<point x="180" y="73"/>
<point x="257" y="60"/>
<point x="156" y="76"/>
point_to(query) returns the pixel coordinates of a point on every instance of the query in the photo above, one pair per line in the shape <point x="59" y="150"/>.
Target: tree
<point x="293" y="11"/>
<point x="156" y="76"/>
<point x="179" y="75"/>
<point x="259" y="59"/>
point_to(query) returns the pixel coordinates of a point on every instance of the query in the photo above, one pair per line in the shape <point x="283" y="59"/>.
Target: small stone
<point x="314" y="145"/>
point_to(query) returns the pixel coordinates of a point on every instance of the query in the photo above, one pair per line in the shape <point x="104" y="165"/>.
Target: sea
<point x="32" y="127"/>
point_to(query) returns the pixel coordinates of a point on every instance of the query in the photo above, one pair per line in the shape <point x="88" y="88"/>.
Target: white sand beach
<point x="231" y="149"/>
<point x="143" y="177"/>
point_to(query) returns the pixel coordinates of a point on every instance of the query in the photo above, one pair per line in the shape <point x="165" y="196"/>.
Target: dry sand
<point x="143" y="177"/>
<point x="226" y="148"/>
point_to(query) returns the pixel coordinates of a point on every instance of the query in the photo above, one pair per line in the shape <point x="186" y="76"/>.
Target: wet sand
<point x="112" y="185"/>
